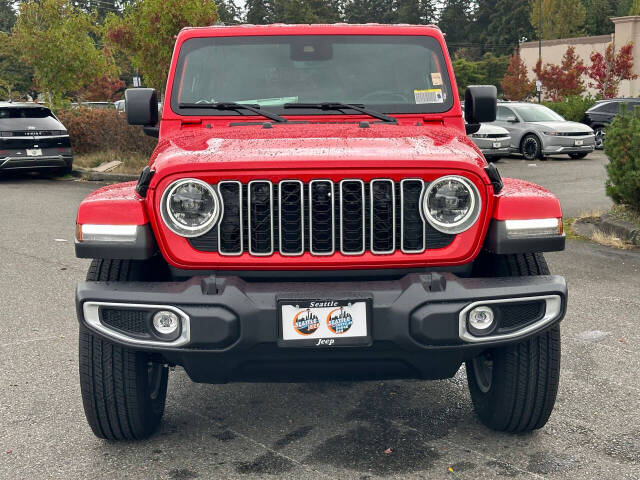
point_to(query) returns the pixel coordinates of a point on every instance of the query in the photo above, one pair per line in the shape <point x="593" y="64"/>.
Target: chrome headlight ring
<point x="180" y="228"/>
<point x="458" y="225"/>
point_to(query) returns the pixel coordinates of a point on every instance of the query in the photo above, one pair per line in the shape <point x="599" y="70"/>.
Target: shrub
<point x="623" y="149"/>
<point x="100" y="130"/>
<point x="572" y="107"/>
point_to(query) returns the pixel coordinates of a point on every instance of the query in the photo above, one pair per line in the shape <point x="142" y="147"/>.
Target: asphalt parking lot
<point x="395" y="429"/>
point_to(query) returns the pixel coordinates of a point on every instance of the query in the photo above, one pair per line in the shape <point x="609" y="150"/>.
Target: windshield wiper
<point x="236" y="106"/>
<point x="343" y="106"/>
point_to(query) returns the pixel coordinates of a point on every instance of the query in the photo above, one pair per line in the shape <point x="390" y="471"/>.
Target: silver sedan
<point x="537" y="131"/>
<point x="493" y="141"/>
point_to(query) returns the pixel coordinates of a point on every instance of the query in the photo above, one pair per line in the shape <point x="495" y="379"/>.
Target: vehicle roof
<point x="21" y="105"/>
<point x="624" y="99"/>
<point x="310" y="29"/>
<point x="519" y="104"/>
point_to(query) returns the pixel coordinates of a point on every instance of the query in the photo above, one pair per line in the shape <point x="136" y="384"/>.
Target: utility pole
<point x="538" y="86"/>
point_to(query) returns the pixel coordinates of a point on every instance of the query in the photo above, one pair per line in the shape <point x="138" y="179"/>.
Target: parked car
<point x="339" y="235"/>
<point x="601" y="114"/>
<point x="32" y="138"/>
<point x="493" y="141"/>
<point x="537" y="131"/>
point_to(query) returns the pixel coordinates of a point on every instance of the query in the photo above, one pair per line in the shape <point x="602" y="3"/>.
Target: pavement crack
<point x="260" y="444"/>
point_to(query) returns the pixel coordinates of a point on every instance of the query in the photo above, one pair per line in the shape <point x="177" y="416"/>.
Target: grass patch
<point x="626" y="214"/>
<point x="567" y="226"/>
<point x="132" y="162"/>
<point x="609" y="240"/>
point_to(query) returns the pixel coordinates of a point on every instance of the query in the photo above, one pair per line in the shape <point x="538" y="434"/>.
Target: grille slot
<point x="320" y="217"/>
<point x="291" y="215"/>
<point x="383" y="214"/>
<point x="260" y="205"/>
<point x="230" y="234"/>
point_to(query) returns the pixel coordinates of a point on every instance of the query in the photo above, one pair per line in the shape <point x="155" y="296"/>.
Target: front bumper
<point x="231" y="328"/>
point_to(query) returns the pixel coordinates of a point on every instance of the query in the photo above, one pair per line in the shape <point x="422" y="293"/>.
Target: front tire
<point x="123" y="390"/>
<point x="514" y="388"/>
<point x="531" y="147"/>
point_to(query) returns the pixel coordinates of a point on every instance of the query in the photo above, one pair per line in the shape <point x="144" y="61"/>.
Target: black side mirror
<point x="512" y="119"/>
<point x="141" y="105"/>
<point x="480" y="105"/>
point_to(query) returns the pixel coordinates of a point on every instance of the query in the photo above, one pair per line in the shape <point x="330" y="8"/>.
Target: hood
<point x="26" y="124"/>
<point x="317" y="146"/>
<point x="565" y="126"/>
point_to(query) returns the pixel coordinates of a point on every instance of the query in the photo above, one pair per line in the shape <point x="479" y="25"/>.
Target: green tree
<point x="228" y="12"/>
<point x="7" y="16"/>
<point x="146" y="31"/>
<point x="259" y="12"/>
<point x="15" y="77"/>
<point x="635" y="8"/>
<point x="560" y="18"/>
<point x="467" y="73"/>
<point x="55" y="38"/>
<point x="508" y="26"/>
<point x="306" y="11"/>
<point x="598" y="14"/>
<point x="455" y="21"/>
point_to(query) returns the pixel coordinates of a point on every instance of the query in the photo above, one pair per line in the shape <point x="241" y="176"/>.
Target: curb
<point x="624" y="230"/>
<point x="92" y="176"/>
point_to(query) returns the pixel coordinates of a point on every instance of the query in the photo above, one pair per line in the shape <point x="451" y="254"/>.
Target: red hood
<point x="316" y="146"/>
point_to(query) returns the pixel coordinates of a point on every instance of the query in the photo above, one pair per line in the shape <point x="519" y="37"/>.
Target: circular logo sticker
<point x="339" y="320"/>
<point x="306" y="322"/>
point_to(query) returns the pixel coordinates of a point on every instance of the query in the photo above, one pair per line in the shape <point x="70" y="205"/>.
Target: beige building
<point x="627" y="29"/>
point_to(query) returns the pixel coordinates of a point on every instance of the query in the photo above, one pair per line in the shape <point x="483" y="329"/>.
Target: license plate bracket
<point x="579" y="143"/>
<point x="497" y="144"/>
<point x="324" y="322"/>
<point x="34" y="152"/>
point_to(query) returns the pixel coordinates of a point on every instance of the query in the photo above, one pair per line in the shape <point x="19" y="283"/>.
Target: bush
<point x="572" y="107"/>
<point x="100" y="130"/>
<point x="623" y="149"/>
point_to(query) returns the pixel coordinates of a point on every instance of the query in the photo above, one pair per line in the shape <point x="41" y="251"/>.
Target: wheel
<point x="513" y="388"/>
<point x="531" y="148"/>
<point x="599" y="139"/>
<point x="123" y="390"/>
<point x="578" y="156"/>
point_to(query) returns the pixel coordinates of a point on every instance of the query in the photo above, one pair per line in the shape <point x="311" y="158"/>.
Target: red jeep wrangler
<point x="314" y="210"/>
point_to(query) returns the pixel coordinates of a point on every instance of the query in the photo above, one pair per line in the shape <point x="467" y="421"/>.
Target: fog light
<point x="481" y="320"/>
<point x="166" y="322"/>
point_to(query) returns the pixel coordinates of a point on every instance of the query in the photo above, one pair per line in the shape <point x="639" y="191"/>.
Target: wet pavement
<point x="367" y="430"/>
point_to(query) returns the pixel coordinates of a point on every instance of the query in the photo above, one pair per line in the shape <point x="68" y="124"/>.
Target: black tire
<point x="531" y="147"/>
<point x="514" y="388"/>
<point x="599" y="138"/>
<point x="123" y="391"/>
<point x="578" y="156"/>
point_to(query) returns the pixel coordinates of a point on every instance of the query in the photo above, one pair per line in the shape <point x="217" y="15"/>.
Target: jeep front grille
<point x="321" y="217"/>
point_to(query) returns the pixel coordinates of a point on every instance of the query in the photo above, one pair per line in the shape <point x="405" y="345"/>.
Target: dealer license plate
<point x="324" y="323"/>
<point x="34" y="152"/>
<point x="579" y="142"/>
<point x="497" y="144"/>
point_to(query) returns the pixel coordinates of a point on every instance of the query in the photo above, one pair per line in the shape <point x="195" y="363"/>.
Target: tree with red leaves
<point x="516" y="84"/>
<point x="609" y="70"/>
<point x="104" y="88"/>
<point x="560" y="81"/>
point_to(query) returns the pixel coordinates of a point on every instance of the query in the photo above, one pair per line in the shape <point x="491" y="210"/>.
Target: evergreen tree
<point x="259" y="12"/>
<point x="598" y="13"/>
<point x="635" y="8"/>
<point x="509" y="25"/>
<point x="7" y="16"/>
<point x="228" y="12"/>
<point x="363" y="11"/>
<point x="455" y="22"/>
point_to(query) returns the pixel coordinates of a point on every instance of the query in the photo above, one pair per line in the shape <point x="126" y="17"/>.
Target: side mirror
<point x="480" y="104"/>
<point x="512" y="119"/>
<point x="141" y="105"/>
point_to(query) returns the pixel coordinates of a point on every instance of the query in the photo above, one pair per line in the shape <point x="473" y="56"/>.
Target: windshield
<point x="394" y="74"/>
<point x="537" y="113"/>
<point x="26" y="112"/>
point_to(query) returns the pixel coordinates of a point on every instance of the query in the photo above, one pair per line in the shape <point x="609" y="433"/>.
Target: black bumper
<point x="36" y="163"/>
<point x="234" y="327"/>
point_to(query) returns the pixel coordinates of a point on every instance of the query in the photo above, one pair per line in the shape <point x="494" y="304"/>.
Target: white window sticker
<point x="432" y="95"/>
<point x="436" y="78"/>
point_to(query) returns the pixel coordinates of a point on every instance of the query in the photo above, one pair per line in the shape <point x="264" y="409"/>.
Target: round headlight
<point x="451" y="204"/>
<point x="190" y="207"/>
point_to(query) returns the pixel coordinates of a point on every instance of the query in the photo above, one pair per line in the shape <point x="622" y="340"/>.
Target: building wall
<point x="627" y="29"/>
